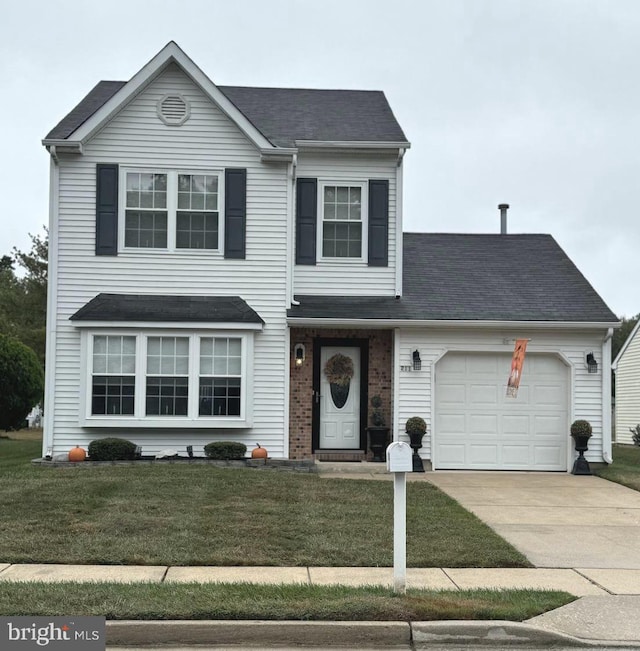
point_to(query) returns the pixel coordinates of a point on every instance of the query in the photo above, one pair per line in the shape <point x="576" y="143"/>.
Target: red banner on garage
<point x="517" y="362"/>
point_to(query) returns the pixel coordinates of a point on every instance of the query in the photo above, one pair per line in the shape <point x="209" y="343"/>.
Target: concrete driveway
<point x="554" y="519"/>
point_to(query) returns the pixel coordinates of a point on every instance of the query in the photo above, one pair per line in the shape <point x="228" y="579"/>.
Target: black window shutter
<point x="306" y="220"/>
<point x="235" y="213"/>
<point x="106" y="209"/>
<point x="378" y="223"/>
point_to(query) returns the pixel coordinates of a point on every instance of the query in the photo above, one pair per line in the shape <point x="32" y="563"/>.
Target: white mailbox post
<point x="399" y="462"/>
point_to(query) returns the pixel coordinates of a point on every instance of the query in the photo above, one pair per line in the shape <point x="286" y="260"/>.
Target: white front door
<point x="340" y="407"/>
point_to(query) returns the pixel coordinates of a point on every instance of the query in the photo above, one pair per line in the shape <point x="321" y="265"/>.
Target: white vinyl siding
<point x="344" y="276"/>
<point x="137" y="139"/>
<point x="628" y="391"/>
<point x="416" y="388"/>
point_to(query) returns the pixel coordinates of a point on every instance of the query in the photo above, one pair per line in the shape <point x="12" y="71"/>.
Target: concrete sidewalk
<point x="606" y="611"/>
<point x="579" y="582"/>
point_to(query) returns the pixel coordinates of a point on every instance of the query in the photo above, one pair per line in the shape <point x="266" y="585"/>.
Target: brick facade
<point x="379" y="381"/>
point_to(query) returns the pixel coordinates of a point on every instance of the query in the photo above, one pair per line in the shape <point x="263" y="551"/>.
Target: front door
<point x="340" y="399"/>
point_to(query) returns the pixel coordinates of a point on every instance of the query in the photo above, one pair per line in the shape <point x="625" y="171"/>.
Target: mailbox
<point x="399" y="457"/>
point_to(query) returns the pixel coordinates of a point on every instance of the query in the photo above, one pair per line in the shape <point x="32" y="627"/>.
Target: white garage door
<point x="478" y="427"/>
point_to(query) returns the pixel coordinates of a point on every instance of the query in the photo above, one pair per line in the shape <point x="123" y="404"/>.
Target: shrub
<point x="581" y="428"/>
<point x="111" y="449"/>
<point x="416" y="425"/>
<point x="21" y="382"/>
<point x="225" y="450"/>
<point x="635" y="434"/>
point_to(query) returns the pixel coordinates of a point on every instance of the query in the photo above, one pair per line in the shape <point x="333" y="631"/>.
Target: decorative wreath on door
<point x="338" y="370"/>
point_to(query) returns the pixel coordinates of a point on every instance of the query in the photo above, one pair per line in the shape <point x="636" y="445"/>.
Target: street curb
<point x="258" y="633"/>
<point x="420" y="635"/>
<point x="494" y="634"/>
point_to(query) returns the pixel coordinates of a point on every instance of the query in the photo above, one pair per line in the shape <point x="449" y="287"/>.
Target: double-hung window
<point x="156" y="379"/>
<point x="343" y="220"/>
<point x="113" y="378"/>
<point x="172" y="210"/>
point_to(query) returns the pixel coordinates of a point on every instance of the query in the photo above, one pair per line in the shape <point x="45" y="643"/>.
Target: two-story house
<point x="229" y="263"/>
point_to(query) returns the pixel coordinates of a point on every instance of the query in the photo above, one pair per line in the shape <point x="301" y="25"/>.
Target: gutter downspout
<point x="399" y="235"/>
<point x="291" y="225"/>
<point x="606" y="397"/>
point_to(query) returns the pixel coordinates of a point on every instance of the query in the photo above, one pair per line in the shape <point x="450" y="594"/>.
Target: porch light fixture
<point x="417" y="362"/>
<point x="299" y="354"/>
<point x="592" y="365"/>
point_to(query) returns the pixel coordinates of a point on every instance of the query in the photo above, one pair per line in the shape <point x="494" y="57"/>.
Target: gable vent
<point x="173" y="110"/>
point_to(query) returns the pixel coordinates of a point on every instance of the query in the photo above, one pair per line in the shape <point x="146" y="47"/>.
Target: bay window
<point x="163" y="378"/>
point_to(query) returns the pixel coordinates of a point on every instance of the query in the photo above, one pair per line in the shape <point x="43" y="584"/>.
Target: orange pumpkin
<point x="259" y="453"/>
<point x="77" y="454"/>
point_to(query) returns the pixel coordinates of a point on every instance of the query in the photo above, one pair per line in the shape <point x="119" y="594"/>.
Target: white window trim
<point x="192" y="420"/>
<point x="172" y="210"/>
<point x="364" y="214"/>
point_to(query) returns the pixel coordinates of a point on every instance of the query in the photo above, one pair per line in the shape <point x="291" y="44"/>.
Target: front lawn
<point x="625" y="468"/>
<point x="266" y="602"/>
<point x="199" y="515"/>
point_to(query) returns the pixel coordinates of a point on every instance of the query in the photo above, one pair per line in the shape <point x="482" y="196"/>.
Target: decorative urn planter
<point x="581" y="433"/>
<point x="378" y="431"/>
<point x="416" y="428"/>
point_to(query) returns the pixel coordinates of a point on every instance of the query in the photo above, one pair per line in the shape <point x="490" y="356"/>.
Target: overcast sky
<point x="534" y="103"/>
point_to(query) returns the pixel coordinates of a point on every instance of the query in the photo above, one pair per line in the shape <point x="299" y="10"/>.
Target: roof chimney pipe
<point x="503" y="207"/>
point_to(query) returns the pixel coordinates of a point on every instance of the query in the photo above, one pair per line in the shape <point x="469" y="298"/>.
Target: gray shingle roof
<point x="282" y="115"/>
<point x="100" y="94"/>
<point x="477" y="278"/>
<point x="146" y="307"/>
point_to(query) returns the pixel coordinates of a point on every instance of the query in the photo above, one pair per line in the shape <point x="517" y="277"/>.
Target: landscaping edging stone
<point x="286" y="465"/>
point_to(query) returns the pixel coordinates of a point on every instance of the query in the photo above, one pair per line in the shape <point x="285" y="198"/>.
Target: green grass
<point x="286" y="602"/>
<point x="625" y="468"/>
<point x="200" y="515"/>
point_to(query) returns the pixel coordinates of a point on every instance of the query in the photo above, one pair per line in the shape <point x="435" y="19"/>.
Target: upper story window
<point x="197" y="216"/>
<point x="172" y="210"/>
<point x="342" y="221"/>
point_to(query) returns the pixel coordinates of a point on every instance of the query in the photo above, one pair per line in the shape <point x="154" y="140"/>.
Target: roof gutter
<point x="351" y="144"/>
<point x="447" y="323"/>
<point x="278" y="154"/>
<point x="57" y="146"/>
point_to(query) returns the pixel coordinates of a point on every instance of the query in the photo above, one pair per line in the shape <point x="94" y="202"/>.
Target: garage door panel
<point x="480" y="455"/>
<point x="516" y="455"/>
<point x="483" y="394"/>
<point x="547" y="425"/>
<point x="484" y="365"/>
<point x="452" y="455"/>
<point x="516" y="425"/>
<point x="452" y="424"/>
<point x="483" y="424"/>
<point x="548" y="456"/>
<point x="452" y="394"/>
<point x="477" y="426"/>
<point x="549" y="395"/>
